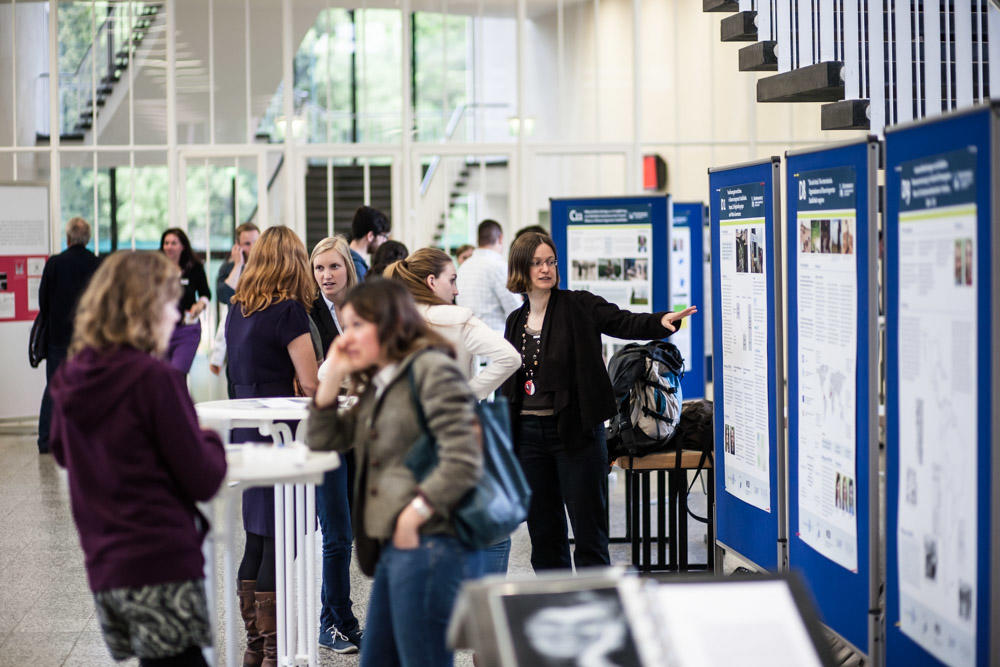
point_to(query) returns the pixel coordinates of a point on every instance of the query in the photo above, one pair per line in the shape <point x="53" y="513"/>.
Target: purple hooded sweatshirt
<point x="125" y="429"/>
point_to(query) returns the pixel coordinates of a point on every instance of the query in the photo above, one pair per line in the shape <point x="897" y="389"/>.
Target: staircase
<point x="348" y="195"/>
<point x="867" y="64"/>
<point x="115" y="46"/>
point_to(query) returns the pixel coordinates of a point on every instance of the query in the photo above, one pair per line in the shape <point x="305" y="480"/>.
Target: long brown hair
<point x="413" y="272"/>
<point x="277" y="270"/>
<point x="401" y="329"/>
<point x="124" y="302"/>
<point x="521" y="254"/>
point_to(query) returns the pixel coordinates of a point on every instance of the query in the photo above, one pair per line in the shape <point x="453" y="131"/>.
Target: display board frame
<point x="694" y="214"/>
<point x="660" y="210"/>
<point x="977" y="127"/>
<point x="849" y="601"/>
<point x="754" y="535"/>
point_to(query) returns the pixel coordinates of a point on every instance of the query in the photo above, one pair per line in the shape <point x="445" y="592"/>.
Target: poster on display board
<point x="24" y="247"/>
<point x="616" y="248"/>
<point x="941" y="399"/>
<point x="826" y="338"/>
<point x="687" y="287"/>
<point x="748" y="384"/>
<point x="833" y="384"/>
<point x="747" y="422"/>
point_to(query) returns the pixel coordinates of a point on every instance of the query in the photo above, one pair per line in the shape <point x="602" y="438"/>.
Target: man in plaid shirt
<point x="482" y="279"/>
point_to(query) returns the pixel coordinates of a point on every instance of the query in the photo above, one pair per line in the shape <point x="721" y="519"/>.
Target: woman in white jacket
<point x="429" y="274"/>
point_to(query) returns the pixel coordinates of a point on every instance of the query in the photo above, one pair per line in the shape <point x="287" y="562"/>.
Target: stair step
<point x="845" y="115"/>
<point x="758" y="57"/>
<point x="740" y="27"/>
<point x="814" y="83"/>
<point x="720" y="6"/>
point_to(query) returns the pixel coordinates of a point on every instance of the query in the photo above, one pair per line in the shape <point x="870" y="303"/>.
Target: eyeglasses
<point x="537" y="263"/>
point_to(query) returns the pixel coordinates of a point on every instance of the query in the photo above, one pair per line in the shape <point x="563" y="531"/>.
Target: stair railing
<point x="118" y="35"/>
<point x="454" y="122"/>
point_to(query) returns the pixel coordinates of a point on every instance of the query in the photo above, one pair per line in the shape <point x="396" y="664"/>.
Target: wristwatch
<point x="423" y="509"/>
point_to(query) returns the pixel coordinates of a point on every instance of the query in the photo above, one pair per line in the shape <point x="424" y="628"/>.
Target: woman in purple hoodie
<point x="125" y="429"/>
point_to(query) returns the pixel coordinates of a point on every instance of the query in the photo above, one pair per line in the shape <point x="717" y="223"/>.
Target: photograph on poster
<point x="756" y="251"/>
<point x="637" y="268"/>
<point x="741" y="250"/>
<point x="609" y="269"/>
<point x="583" y="269"/>
<point x="569" y="629"/>
<point x="642" y="243"/>
<point x="805" y="237"/>
<point x="639" y="296"/>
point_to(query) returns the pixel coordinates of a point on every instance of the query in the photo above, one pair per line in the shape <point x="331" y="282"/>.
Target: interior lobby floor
<point x="47" y="614"/>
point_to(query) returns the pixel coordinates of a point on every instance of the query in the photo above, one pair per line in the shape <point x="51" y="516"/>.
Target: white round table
<point x="294" y="472"/>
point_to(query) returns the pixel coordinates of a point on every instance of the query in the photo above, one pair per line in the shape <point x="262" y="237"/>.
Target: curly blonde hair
<point x="123" y="305"/>
<point x="277" y="270"/>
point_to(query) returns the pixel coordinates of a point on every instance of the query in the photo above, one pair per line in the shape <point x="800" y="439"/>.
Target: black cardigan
<point x="571" y="365"/>
<point x="321" y="316"/>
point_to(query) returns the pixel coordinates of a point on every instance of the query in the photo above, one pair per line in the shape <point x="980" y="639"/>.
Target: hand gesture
<point x="236" y="256"/>
<point x="407" y="532"/>
<point x="670" y="318"/>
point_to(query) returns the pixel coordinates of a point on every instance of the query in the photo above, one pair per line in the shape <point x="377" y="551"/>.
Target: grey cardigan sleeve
<point x="448" y="405"/>
<point x="329" y="429"/>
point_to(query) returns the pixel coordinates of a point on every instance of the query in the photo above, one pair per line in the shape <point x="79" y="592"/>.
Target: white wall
<point x="22" y="386"/>
<point x="697" y="109"/>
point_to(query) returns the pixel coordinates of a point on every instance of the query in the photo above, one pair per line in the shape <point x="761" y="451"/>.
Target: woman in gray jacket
<point x="403" y="527"/>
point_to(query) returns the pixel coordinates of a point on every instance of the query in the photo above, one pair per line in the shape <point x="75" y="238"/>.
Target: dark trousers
<point x="334" y="512"/>
<point x="571" y="475"/>
<point x="54" y="356"/>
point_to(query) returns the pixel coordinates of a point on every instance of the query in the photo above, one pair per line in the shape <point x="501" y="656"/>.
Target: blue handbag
<point x="492" y="509"/>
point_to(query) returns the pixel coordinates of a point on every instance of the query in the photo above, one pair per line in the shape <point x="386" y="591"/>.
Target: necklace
<point x="529" y="367"/>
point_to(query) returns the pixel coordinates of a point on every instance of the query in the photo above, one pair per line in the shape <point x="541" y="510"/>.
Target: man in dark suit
<point x="64" y="278"/>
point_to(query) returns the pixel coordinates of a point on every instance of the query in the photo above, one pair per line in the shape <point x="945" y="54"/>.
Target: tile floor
<point x="46" y="611"/>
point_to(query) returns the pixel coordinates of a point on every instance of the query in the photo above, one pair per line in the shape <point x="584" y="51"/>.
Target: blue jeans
<point x="571" y="475"/>
<point x="411" y="602"/>
<point x="335" y="520"/>
<point x="496" y="557"/>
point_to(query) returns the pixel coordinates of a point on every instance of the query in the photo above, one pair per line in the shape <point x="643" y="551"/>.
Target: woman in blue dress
<point x="270" y="354"/>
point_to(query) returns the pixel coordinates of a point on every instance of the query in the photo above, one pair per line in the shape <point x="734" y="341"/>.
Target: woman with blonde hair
<point x="124" y="428"/>
<point x="429" y="274"/>
<point x="339" y="629"/>
<point x="270" y="351"/>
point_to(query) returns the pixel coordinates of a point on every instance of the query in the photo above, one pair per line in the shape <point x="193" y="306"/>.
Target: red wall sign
<point x="20" y="277"/>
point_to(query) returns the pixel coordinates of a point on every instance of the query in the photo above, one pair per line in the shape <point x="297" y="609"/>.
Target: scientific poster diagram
<point x="612" y="259"/>
<point x="937" y="525"/>
<point x="743" y="273"/>
<point x="827" y="363"/>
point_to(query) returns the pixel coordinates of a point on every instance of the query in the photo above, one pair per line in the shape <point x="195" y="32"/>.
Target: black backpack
<point x="646" y="380"/>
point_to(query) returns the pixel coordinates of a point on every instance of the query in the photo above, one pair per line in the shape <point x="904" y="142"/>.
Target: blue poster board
<point x="832" y="225"/>
<point x="687" y="286"/>
<point x="941" y="582"/>
<point x="606" y="222"/>
<point x="750" y="505"/>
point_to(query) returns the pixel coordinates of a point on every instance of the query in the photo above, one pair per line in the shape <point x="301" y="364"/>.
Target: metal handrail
<point x="118" y="27"/>
<point x="456" y="117"/>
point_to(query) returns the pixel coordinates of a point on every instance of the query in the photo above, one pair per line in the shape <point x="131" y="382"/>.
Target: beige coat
<point x="382" y="431"/>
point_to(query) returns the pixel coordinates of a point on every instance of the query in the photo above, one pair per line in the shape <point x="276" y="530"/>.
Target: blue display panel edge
<point x="751" y="532"/>
<point x="918" y="140"/>
<point x="692" y="215"/>
<point x="842" y="596"/>
<point x="659" y="208"/>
